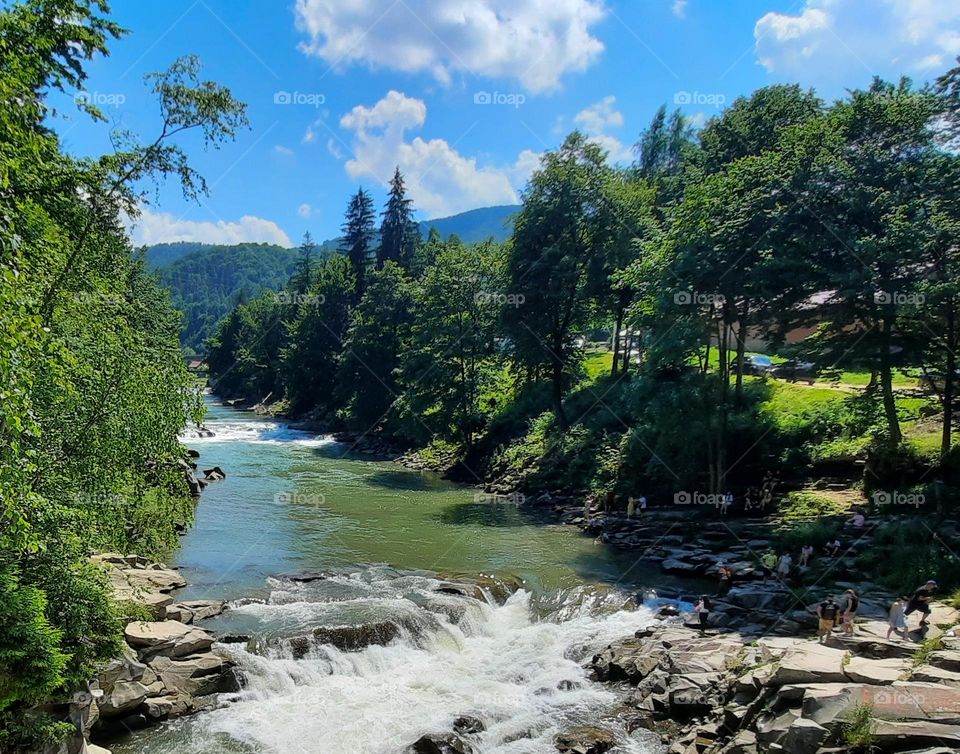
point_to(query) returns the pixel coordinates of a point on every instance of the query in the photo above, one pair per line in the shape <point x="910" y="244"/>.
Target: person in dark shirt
<point x="920" y="601"/>
<point x="702" y="609"/>
<point x="827" y="612"/>
<point x="850" y="611"/>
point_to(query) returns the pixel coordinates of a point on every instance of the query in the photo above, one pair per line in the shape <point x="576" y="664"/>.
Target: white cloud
<point x="679" y="8"/>
<point x="596" y="120"/>
<point x="600" y="116"/>
<point x="440" y="180"/>
<point x="282" y="150"/>
<point x="534" y="41"/>
<point x="840" y="42"/>
<point x="334" y="149"/>
<point x="164" y="227"/>
<point x="304" y="210"/>
<point x="309" y="135"/>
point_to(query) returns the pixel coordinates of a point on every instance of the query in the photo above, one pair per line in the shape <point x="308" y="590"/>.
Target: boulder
<point x="197" y="675"/>
<point x="94" y="749"/>
<point x="214" y="475"/>
<point x="932" y="674"/>
<point x="170" y="638"/>
<point x="195" y="610"/>
<point x="584" y="740"/>
<point x="772" y="728"/>
<point x="947" y="659"/>
<point x="804" y="737"/>
<point x="153" y="579"/>
<point x="876" y="672"/>
<point x="902" y="735"/>
<point x="826" y="703"/>
<point x="125" y="696"/>
<point x="809" y="662"/>
<point x="439" y="743"/>
<point x="466" y="725"/>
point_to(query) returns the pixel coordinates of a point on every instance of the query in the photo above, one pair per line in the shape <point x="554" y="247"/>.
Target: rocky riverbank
<point x="170" y="666"/>
<point x="726" y="693"/>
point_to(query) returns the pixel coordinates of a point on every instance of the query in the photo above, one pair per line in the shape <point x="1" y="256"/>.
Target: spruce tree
<point x="399" y="234"/>
<point x="358" y="230"/>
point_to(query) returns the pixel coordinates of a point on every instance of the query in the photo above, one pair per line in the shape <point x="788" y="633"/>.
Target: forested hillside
<point x="94" y="387"/>
<point x="206" y="283"/>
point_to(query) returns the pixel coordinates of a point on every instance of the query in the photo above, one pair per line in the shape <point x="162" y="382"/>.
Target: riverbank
<point x="169" y="667"/>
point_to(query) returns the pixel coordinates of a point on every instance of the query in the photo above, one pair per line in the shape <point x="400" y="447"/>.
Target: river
<point x="384" y="538"/>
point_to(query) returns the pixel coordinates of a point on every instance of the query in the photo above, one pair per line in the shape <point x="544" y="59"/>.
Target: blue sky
<point x="463" y="94"/>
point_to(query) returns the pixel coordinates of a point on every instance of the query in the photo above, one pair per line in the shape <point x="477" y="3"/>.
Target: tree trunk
<point x="627" y="347"/>
<point x="558" y="395"/>
<point x="948" y="379"/>
<point x="616" y="341"/>
<point x="886" y="387"/>
<point x="741" y="348"/>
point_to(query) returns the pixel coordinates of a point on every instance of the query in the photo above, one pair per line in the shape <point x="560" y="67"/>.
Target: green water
<point x="293" y="502"/>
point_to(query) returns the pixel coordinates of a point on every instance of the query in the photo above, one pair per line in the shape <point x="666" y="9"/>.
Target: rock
<point x="672" y="565"/>
<point x="932" y="674"/>
<point x="214" y="475"/>
<point x="153" y="579"/>
<point x="947" y="659"/>
<point x="745" y="742"/>
<point x="890" y="734"/>
<point x="584" y="740"/>
<point x="825" y="703"/>
<point x="94" y="749"/>
<point x="195" y="610"/>
<point x="804" y="737"/>
<point x="198" y="675"/>
<point x="439" y="743"/>
<point x="125" y="696"/>
<point x="876" y="672"/>
<point x="772" y="729"/>
<point x="194" y="485"/>
<point x="468" y="725"/>
<point x="170" y="638"/>
<point x="353" y="638"/>
<point x="769" y="596"/>
<point x="809" y="662"/>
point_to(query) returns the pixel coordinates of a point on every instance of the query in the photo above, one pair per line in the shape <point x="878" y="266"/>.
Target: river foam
<point x="264" y="432"/>
<point x="516" y="666"/>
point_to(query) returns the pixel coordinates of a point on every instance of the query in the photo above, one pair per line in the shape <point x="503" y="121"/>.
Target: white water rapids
<point x="516" y="666"/>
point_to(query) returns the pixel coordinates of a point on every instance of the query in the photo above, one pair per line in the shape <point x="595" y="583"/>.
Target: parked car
<point x="796" y="371"/>
<point x="756" y="364"/>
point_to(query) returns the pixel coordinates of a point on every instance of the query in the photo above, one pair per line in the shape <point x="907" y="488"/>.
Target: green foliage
<point x="858" y="728"/>
<point x="907" y="553"/>
<point x="95" y="390"/>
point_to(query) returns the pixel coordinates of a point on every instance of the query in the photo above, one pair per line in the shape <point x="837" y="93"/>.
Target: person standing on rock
<point x="631" y="505"/>
<point x="726" y="579"/>
<point x="827" y="613"/>
<point x="806" y="552"/>
<point x="643" y="504"/>
<point x="783" y="566"/>
<point x="920" y="602"/>
<point x="850" y="611"/>
<point x="896" y="619"/>
<point x="702" y="609"/>
<point x="769" y="562"/>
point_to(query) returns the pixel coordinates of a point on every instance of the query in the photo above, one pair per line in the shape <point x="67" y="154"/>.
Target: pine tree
<point x="358" y="230"/>
<point x="300" y="282"/>
<point x="399" y="234"/>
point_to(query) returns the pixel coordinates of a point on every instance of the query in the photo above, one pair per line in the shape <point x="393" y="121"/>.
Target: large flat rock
<point x="825" y="703"/>
<point x="809" y="662"/>
<point x="170" y="637"/>
<point x="877" y="672"/>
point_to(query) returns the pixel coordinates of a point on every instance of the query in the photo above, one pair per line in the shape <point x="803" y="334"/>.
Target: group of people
<point x="831" y="614"/>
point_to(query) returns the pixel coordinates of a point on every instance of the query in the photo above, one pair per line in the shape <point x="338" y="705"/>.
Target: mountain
<point x="207" y="281"/>
<point x="475" y="225"/>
